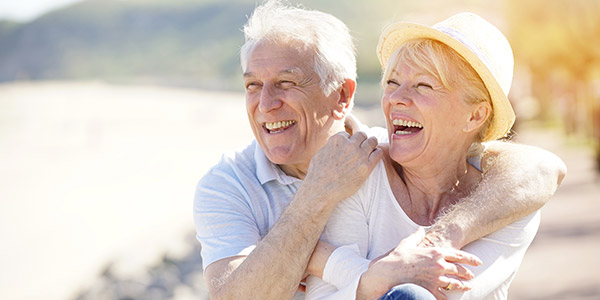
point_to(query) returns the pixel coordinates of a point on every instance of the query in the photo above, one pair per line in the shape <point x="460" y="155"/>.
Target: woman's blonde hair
<point x="445" y="64"/>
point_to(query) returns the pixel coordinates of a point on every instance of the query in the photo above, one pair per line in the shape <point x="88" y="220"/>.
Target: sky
<point x="25" y="10"/>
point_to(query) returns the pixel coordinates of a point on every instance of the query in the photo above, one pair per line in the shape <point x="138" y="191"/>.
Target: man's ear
<point x="344" y="101"/>
<point x="478" y="116"/>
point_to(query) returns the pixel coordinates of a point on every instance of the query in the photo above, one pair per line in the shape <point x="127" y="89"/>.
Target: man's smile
<point x="276" y="127"/>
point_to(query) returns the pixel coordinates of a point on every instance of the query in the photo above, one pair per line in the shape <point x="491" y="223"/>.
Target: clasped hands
<point x="433" y="268"/>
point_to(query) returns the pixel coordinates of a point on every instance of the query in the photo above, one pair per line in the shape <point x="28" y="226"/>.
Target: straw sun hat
<point x="482" y="45"/>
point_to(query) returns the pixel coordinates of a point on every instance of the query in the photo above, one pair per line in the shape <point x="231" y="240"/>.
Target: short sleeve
<point x="225" y="225"/>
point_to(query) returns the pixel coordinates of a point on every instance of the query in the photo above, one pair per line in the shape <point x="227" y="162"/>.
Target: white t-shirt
<point x="371" y="222"/>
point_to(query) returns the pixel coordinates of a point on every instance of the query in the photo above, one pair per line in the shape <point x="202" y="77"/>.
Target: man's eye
<point x="252" y="86"/>
<point x="286" y="84"/>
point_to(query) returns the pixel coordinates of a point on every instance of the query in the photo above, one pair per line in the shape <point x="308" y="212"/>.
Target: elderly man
<point x="259" y="212"/>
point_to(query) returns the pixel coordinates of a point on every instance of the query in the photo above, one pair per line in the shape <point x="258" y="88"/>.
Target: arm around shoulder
<point x="539" y="171"/>
<point x="518" y="180"/>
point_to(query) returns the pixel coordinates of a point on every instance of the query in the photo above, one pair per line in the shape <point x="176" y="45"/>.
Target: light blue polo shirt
<point x="238" y="201"/>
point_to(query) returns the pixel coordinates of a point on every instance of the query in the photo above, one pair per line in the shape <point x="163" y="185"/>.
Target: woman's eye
<point x="424" y="85"/>
<point x="392" y="82"/>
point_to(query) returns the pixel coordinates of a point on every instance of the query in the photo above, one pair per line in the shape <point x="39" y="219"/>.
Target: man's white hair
<point x="322" y="33"/>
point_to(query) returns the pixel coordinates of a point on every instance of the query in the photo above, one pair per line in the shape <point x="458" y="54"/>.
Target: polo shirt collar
<point x="267" y="171"/>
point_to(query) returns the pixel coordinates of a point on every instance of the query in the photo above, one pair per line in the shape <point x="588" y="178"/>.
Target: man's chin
<point x="279" y="155"/>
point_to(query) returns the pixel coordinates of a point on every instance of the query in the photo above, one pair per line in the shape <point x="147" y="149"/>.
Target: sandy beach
<point x="96" y="176"/>
<point x="93" y="174"/>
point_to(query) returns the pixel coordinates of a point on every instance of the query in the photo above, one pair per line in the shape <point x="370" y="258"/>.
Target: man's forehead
<point x="281" y="58"/>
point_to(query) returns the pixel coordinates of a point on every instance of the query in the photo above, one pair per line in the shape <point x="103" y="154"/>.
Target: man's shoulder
<point x="233" y="167"/>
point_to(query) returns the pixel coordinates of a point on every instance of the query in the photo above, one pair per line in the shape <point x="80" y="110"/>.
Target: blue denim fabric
<point x="407" y="291"/>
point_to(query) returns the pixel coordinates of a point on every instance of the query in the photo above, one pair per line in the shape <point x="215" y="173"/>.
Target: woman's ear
<point x="481" y="111"/>
<point x="344" y="101"/>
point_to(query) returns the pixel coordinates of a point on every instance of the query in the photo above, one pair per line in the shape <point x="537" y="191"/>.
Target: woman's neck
<point x="433" y="186"/>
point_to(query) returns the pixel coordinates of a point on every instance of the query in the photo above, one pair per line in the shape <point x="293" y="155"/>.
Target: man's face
<point x="290" y="116"/>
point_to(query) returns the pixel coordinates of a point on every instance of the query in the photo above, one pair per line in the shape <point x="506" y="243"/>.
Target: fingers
<point x="452" y="284"/>
<point x="457" y="256"/>
<point x="365" y="142"/>
<point x="344" y="134"/>
<point x="359" y="136"/>
<point x="369" y="144"/>
<point x="375" y="156"/>
<point x="459" y="271"/>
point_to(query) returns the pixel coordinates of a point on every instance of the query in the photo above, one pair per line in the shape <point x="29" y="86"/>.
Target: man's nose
<point x="269" y="98"/>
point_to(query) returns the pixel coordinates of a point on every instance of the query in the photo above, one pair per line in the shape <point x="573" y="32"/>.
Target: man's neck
<point x="298" y="171"/>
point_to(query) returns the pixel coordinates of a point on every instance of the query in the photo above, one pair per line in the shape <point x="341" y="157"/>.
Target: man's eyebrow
<point x="288" y="71"/>
<point x="291" y="71"/>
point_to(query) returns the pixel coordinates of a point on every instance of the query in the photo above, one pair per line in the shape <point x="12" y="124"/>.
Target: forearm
<point x="319" y="258"/>
<point x="276" y="266"/>
<point x="517" y="181"/>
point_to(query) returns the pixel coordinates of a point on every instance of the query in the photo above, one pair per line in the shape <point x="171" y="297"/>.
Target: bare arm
<point x="276" y="266"/>
<point x="518" y="180"/>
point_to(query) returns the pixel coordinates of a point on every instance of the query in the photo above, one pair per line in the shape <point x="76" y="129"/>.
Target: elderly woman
<point x="445" y="91"/>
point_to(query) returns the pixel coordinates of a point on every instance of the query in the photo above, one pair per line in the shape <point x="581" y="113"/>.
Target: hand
<point x="343" y="164"/>
<point x="431" y="268"/>
<point x="441" y="236"/>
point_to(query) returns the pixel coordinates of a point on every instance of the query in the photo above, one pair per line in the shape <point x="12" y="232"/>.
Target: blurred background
<point x="111" y="111"/>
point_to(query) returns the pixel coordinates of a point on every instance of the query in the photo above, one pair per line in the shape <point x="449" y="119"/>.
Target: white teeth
<point x="276" y="126"/>
<point x="399" y="132"/>
<point x="406" y="123"/>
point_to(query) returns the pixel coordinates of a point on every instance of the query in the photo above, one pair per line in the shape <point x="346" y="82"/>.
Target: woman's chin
<point x="402" y="153"/>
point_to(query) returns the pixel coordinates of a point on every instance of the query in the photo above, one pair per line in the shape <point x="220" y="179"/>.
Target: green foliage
<point x="191" y="43"/>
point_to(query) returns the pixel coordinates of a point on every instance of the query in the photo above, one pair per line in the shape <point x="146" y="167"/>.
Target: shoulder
<point x="233" y="165"/>
<point x="379" y="132"/>
<point x="365" y="196"/>
<point x="230" y="177"/>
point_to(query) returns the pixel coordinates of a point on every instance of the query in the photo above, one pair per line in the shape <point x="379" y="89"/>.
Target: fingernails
<point x="465" y="285"/>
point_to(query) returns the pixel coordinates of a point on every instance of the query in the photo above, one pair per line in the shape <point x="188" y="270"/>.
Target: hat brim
<point x="396" y="34"/>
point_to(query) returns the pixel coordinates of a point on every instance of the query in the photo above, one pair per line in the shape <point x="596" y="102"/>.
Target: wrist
<point x="445" y="236"/>
<point x="322" y="188"/>
<point x="314" y="200"/>
<point x="370" y="285"/>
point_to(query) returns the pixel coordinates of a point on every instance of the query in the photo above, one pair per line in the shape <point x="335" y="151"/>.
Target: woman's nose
<point x="401" y="96"/>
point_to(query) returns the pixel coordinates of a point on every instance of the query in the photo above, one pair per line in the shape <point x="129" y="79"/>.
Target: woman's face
<point x="425" y="120"/>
